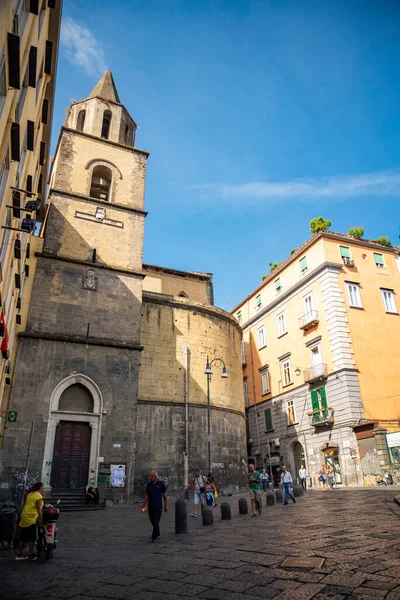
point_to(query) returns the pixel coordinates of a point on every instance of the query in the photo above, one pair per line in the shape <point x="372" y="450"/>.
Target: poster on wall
<point x="117" y="475"/>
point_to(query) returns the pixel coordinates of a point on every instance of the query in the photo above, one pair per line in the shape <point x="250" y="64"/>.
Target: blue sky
<point x="258" y="116"/>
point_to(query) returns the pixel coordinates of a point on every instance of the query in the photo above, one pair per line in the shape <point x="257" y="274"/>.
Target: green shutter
<point x="378" y="259"/>
<point x="315" y="406"/>
<point x="268" y="419"/>
<point x="278" y="285"/>
<point x="324" y="403"/>
<point x="344" y="252"/>
<point x="303" y="264"/>
<point x="258" y="300"/>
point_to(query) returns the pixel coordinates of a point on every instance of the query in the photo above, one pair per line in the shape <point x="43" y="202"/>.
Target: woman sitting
<point x="92" y="495"/>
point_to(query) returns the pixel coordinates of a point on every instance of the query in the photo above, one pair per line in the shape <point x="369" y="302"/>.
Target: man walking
<point x="198" y="485"/>
<point x="254" y="490"/>
<point x="264" y="479"/>
<point x="303" y="477"/>
<point x="156" y="492"/>
<point x="287" y="483"/>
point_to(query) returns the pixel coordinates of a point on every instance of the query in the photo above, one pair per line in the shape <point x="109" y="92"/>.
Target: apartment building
<point x="29" y="34"/>
<point x="320" y="359"/>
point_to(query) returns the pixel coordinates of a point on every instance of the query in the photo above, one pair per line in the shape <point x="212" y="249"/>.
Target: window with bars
<point x="303" y="264"/>
<point x="379" y="260"/>
<point x="265" y="381"/>
<point x="282" y="329"/>
<point x="262" y="338"/>
<point x="389" y="301"/>
<point x="353" y="295"/>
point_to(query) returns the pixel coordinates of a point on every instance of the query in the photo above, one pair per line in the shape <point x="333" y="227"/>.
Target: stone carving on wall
<point x="89" y="280"/>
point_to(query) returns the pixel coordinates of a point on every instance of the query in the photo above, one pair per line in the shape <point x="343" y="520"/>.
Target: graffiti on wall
<point x="16" y="485"/>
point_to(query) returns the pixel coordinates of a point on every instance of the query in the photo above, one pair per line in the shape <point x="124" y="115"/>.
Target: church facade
<point x="110" y="369"/>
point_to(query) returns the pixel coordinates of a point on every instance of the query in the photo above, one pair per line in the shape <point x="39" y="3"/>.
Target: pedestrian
<point x="264" y="479"/>
<point x="92" y="495"/>
<point x="287" y="483"/>
<point x="156" y="492"/>
<point x="211" y="479"/>
<point x="329" y="477"/>
<point x="254" y="478"/>
<point x="31" y="514"/>
<point x="322" y="477"/>
<point x="198" y="485"/>
<point x="303" y="477"/>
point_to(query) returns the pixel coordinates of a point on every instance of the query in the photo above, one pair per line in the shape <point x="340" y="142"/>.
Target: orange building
<point x="320" y="358"/>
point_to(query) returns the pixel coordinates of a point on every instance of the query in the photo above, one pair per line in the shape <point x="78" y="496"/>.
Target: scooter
<point x="47" y="540"/>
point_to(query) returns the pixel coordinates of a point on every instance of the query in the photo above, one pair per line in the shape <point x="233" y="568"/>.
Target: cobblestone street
<point x="109" y="554"/>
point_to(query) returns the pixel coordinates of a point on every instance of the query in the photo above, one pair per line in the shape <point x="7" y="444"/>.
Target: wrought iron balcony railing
<point x="316" y="372"/>
<point x="309" y="320"/>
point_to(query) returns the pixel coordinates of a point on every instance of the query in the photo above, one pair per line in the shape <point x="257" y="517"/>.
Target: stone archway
<point x="76" y="399"/>
<point x="299" y="458"/>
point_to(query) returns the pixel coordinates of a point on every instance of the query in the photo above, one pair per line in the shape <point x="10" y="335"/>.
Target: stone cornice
<point x="186" y="304"/>
<point x="203" y="405"/>
<point x="325" y="266"/>
<point x="72" y="339"/>
<point x="103" y="141"/>
<point x="92" y="265"/>
<point x="89" y="200"/>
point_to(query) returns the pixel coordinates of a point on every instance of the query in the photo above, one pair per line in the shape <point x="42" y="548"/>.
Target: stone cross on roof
<point x="105" y="89"/>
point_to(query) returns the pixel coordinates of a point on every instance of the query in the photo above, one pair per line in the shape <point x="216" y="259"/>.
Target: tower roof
<point x="105" y="89"/>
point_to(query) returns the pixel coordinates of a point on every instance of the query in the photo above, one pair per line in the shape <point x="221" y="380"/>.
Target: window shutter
<point x="344" y="252"/>
<point x="15" y="152"/>
<point x="13" y="61"/>
<point x="45" y="110"/>
<point x="268" y="419"/>
<point x="278" y="285"/>
<point x="324" y="403"/>
<point x="42" y="153"/>
<point x="29" y="185"/>
<point x="30" y="135"/>
<point x="378" y="258"/>
<point x="303" y="264"/>
<point x="315" y="406"/>
<point x="34" y="7"/>
<point x="258" y="300"/>
<point x="32" y="66"/>
<point x="48" y="57"/>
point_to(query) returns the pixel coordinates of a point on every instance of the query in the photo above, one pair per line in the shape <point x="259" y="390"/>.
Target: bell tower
<point x="85" y="312"/>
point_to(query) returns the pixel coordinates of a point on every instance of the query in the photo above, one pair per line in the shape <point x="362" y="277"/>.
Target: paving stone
<point x="189" y="590"/>
<point x="305" y="592"/>
<point x="110" y="591"/>
<point x="378" y="584"/>
<point x="234" y="585"/>
<point x="262" y="591"/>
<point x="284" y="584"/>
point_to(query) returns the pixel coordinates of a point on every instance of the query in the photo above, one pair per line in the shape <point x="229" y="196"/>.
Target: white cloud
<point x="81" y="48"/>
<point x="384" y="183"/>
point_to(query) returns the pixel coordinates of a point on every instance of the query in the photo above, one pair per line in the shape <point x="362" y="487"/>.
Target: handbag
<point x="321" y="478"/>
<point x="215" y="494"/>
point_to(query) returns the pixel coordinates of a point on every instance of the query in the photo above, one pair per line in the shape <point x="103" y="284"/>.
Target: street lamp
<point x="224" y="375"/>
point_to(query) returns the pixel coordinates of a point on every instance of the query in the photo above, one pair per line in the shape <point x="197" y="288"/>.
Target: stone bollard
<point x="180" y="516"/>
<point x="270" y="486"/>
<point x="226" y="511"/>
<point x="297" y="490"/>
<point x="279" y="496"/>
<point x="270" y="498"/>
<point x="243" y="506"/>
<point x="208" y="518"/>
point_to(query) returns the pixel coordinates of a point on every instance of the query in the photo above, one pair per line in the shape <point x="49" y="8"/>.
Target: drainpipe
<point x="186" y="452"/>
<point x="254" y="395"/>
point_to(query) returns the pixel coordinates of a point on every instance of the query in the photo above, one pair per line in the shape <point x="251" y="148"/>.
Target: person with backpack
<point x="198" y="485"/>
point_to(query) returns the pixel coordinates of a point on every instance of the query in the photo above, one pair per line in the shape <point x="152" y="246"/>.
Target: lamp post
<point x="224" y="375"/>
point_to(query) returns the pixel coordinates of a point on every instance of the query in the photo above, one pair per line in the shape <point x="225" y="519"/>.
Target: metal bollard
<point x="279" y="496"/>
<point x="226" y="511"/>
<point x="297" y="490"/>
<point x="270" y="498"/>
<point x="180" y="516"/>
<point x="208" y="518"/>
<point x="243" y="506"/>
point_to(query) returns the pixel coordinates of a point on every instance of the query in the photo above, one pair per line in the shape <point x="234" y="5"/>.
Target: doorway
<point x="299" y="458"/>
<point x="70" y="465"/>
<point x="332" y="461"/>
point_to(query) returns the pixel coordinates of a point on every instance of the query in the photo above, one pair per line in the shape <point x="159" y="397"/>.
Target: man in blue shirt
<point x="156" y="491"/>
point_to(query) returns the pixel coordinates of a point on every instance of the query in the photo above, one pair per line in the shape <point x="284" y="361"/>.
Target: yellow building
<point x="320" y="358"/>
<point x="29" y="34"/>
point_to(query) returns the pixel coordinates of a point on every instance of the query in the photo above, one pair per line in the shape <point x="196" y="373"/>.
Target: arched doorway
<point x="299" y="458"/>
<point x="73" y="434"/>
<point x="331" y="456"/>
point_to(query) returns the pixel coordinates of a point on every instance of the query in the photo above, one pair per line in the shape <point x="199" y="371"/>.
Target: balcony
<point x="309" y="320"/>
<point x="322" y="417"/>
<point x="316" y="373"/>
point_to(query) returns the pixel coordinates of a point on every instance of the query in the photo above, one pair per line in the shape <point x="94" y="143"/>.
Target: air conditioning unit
<point x="276" y="442"/>
<point x="349" y="262"/>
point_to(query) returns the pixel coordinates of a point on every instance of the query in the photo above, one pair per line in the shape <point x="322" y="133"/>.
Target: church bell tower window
<point x="105" y="130"/>
<point x="101" y="183"/>
<point x="81" y="120"/>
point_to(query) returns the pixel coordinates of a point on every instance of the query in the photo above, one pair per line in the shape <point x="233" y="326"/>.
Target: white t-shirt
<point x="286" y="477"/>
<point x="199" y="483"/>
<point x="264" y="475"/>
<point x="302" y="473"/>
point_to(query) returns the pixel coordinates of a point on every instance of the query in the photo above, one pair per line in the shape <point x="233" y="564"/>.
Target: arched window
<point x="101" y="183"/>
<point x="80" y="122"/>
<point x="76" y="398"/>
<point x="105" y="130"/>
